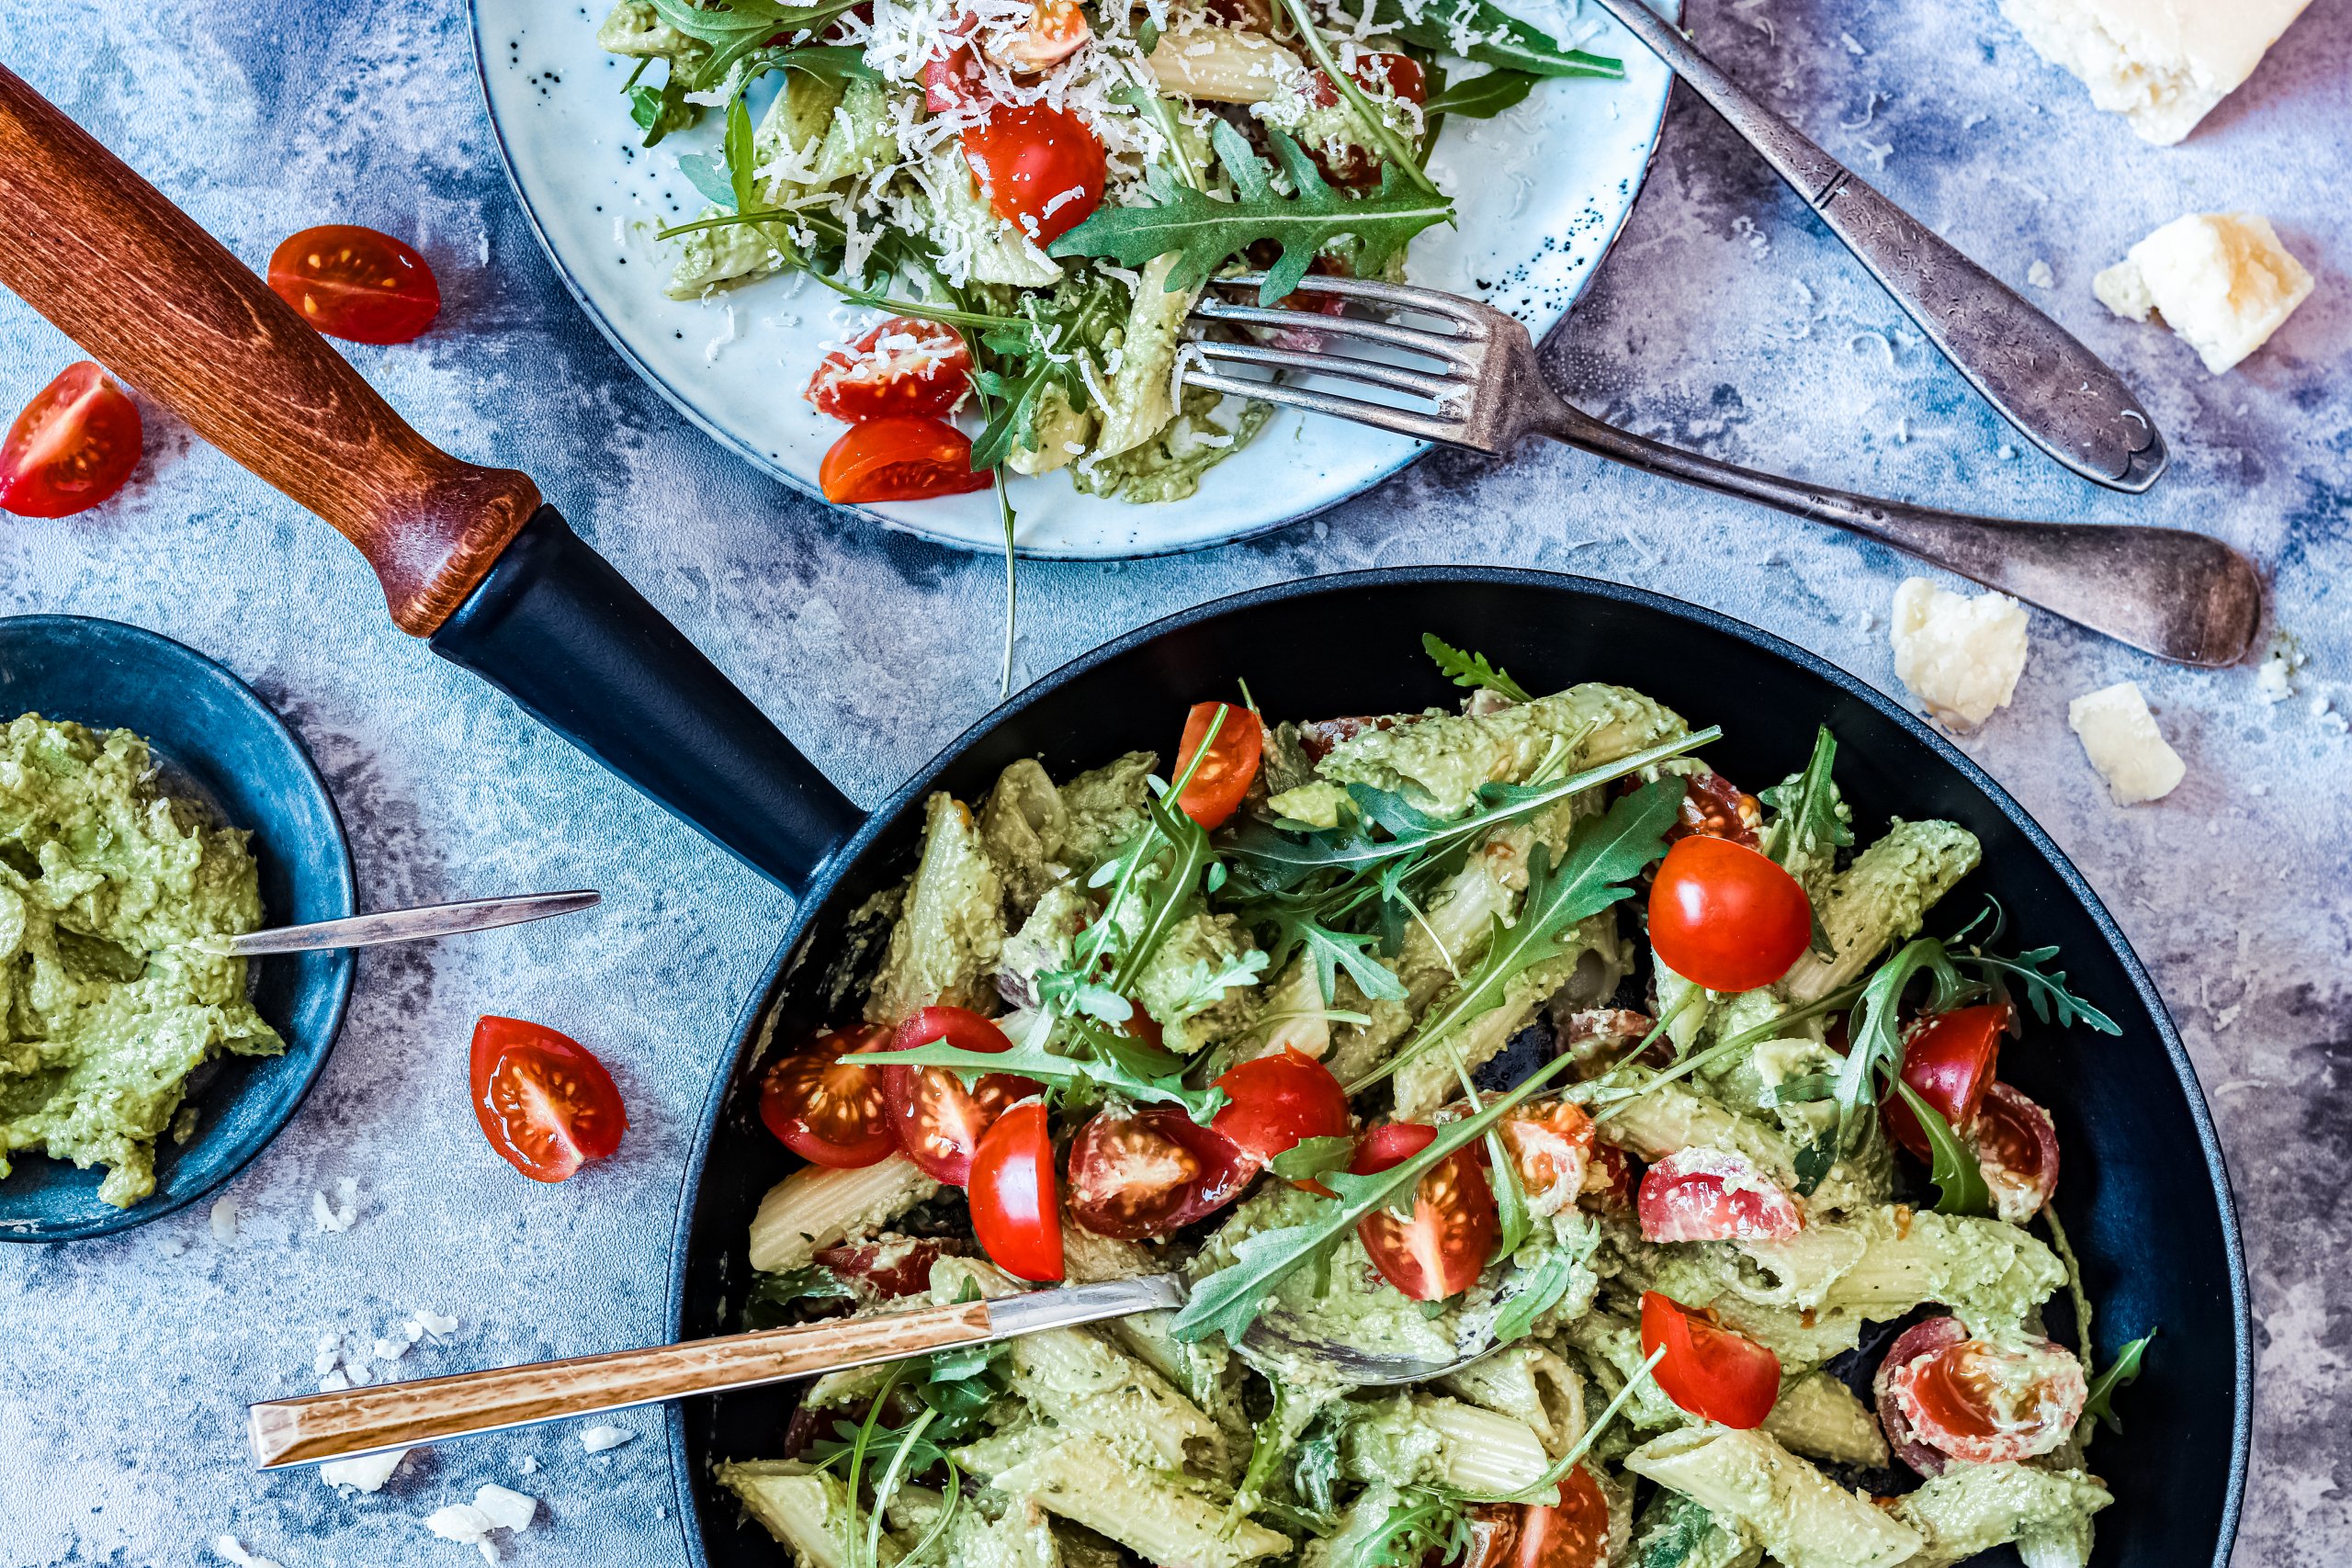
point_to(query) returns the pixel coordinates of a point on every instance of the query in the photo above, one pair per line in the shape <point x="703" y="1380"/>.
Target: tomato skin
<point x="1608" y="1180"/>
<point x="545" y="1102"/>
<point x="1573" y="1533"/>
<point x="952" y="80"/>
<point x="1550" y="1143"/>
<point x="1027" y="158"/>
<point x="936" y="1120"/>
<point x="1278" y="1100"/>
<point x="890" y="1270"/>
<point x="1222" y="780"/>
<point x="1948" y="1059"/>
<point x="1376" y="71"/>
<point x="1057" y="29"/>
<point x="899" y="457"/>
<point x="1016" y="1209"/>
<point x="1152" y="1172"/>
<point x="1713" y="1372"/>
<point x="74" y="446"/>
<point x="1441" y="1250"/>
<point x="1921" y="1340"/>
<point x="2017" y="1148"/>
<point x="1715" y="807"/>
<point x="827" y="1112"/>
<point x="1713" y="1195"/>
<point x="354" y="283"/>
<point x="883" y="373"/>
<point x="1986" y="1404"/>
<point x="1726" y="917"/>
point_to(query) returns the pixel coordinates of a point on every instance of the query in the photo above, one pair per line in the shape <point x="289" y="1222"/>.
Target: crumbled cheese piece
<point x="2222" y="281"/>
<point x="366" y="1474"/>
<point x="2274" y="682"/>
<point x="433" y="1323"/>
<point x="411" y="1331"/>
<point x="1961" y="657"/>
<point x="596" y="1439"/>
<point x="228" y="1548"/>
<point x="224" y="1227"/>
<point x="330" y="1218"/>
<point x="392" y="1349"/>
<point x="2121" y="738"/>
<point x="464" y="1523"/>
<point x="530" y="1465"/>
<point x="2163" y="64"/>
<point x="505" y="1509"/>
<point x="333" y="1383"/>
<point x="2041" y="277"/>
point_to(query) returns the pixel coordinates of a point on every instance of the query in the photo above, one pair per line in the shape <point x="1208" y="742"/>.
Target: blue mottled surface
<point x="1726" y="320"/>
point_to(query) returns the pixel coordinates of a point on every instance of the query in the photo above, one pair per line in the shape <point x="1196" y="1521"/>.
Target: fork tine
<point x="1379" y="415"/>
<point x="1469" y="313"/>
<point x="1457" y="349"/>
<point x="1440" y="388"/>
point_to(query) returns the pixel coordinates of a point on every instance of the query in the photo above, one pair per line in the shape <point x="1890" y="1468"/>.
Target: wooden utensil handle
<point x="133" y="279"/>
<point x="363" y="1420"/>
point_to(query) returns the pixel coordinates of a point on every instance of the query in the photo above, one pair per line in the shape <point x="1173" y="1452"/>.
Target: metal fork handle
<point x="2120" y="579"/>
<point x="2059" y="395"/>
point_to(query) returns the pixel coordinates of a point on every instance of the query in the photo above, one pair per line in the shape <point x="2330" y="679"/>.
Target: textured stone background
<point x="1726" y="320"/>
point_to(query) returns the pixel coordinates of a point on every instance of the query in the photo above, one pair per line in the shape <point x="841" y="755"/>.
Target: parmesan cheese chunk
<point x="2163" y="64"/>
<point x="1961" y="657"/>
<point x="2222" y="281"/>
<point x="2120" y="737"/>
<point x="366" y="1474"/>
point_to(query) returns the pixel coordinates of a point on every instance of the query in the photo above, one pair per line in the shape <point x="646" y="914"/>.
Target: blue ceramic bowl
<point x="216" y="742"/>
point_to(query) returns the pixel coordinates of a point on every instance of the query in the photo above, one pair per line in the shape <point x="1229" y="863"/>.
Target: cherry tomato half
<point x="1700" y="1194"/>
<point x="1150" y="1173"/>
<point x="1948" y="1059"/>
<point x="1218" y="785"/>
<point x="889" y="1269"/>
<point x="1056" y="30"/>
<point x="1016" y="1211"/>
<point x="1724" y="916"/>
<point x="1040" y="167"/>
<point x="1987" y="1404"/>
<point x="545" y="1102"/>
<point x="1278" y="1101"/>
<point x="1398" y="77"/>
<point x="899" y="457"/>
<point x="354" y="283"/>
<point x="1550" y="1144"/>
<point x="1609" y="1180"/>
<point x="1713" y="1373"/>
<point x="1573" y="1533"/>
<point x="829" y="1112"/>
<point x="1715" y="807"/>
<point x="2017" y="1148"/>
<point x="1441" y="1250"/>
<point x="902" y="366"/>
<point x="939" y="1121"/>
<point x="1915" y="1343"/>
<point x="72" y="446"/>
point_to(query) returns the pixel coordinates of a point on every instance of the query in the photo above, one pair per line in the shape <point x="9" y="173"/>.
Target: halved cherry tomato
<point x="1016" y="1211"/>
<point x="901" y="367"/>
<point x="1056" y="30"/>
<point x="1915" y="1343"/>
<point x="899" y="1267"/>
<point x="1713" y="1373"/>
<point x="1153" y="1172"/>
<point x="939" y="1121"/>
<point x="1609" y="1180"/>
<point x="1278" y="1101"/>
<point x="1040" y="167"/>
<point x="1714" y="807"/>
<point x="1441" y="1250"/>
<point x="72" y="446"/>
<point x="952" y="80"/>
<point x="1223" y="778"/>
<point x="829" y="1112"/>
<point x="1573" y="1533"/>
<point x="545" y="1102"/>
<point x="354" y="283"/>
<point x="1700" y="1194"/>
<point x="1724" y="916"/>
<point x="1377" y="71"/>
<point x="1948" y="1058"/>
<point x="899" y="457"/>
<point x="1987" y="1404"/>
<point x="2017" y="1148"/>
<point x="1550" y="1143"/>
<point x="1493" y="1536"/>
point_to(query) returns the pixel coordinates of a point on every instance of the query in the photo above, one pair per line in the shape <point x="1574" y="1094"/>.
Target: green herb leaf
<point x="1539" y="1293"/>
<point x="2101" y="1405"/>
<point x="1331" y="951"/>
<point x="764" y="1306"/>
<point x="1500" y="39"/>
<point x="1813" y="1162"/>
<point x="1874" y="1058"/>
<point x="1097" y="1057"/>
<point x="1483" y="98"/>
<point x="1959" y="1179"/>
<point x="1204" y="232"/>
<point x="1309" y="1158"/>
<point x="1146" y="37"/>
<point x="1472" y="668"/>
<point x="660" y="110"/>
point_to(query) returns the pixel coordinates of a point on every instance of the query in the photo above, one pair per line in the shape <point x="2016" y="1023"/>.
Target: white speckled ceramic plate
<point x="1542" y="190"/>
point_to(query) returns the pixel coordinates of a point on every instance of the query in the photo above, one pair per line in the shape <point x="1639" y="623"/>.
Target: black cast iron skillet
<point x="473" y="560"/>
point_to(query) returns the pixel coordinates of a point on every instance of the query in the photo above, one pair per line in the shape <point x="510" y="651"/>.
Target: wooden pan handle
<point x="133" y="279"/>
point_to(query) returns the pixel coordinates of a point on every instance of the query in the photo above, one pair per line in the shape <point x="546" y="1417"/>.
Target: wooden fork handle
<point x="366" y="1420"/>
<point x="131" y="279"/>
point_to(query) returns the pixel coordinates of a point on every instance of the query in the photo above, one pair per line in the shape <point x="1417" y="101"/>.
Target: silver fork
<point x="2177" y="594"/>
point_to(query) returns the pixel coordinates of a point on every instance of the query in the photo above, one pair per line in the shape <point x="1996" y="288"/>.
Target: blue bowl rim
<point x="816" y="894"/>
<point x="344" y="975"/>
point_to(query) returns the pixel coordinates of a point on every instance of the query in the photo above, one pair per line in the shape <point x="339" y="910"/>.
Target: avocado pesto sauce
<point x="1510" y="1043"/>
<point x="103" y="882"/>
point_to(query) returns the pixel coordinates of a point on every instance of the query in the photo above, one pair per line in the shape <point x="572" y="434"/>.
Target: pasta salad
<point x="1031" y="195"/>
<point x="1513" y="1039"/>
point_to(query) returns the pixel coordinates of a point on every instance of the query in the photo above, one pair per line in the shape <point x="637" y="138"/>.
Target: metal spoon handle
<point x="2059" y="395"/>
<point x="407" y="925"/>
<point x="350" y="1422"/>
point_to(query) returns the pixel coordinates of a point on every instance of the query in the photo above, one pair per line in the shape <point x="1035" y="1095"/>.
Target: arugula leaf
<point x="660" y="110"/>
<point x="2046" y="989"/>
<point x="1959" y="1181"/>
<point x="1472" y="668"/>
<point x="1423" y="1525"/>
<point x="1309" y="1158"/>
<point x="1807" y="825"/>
<point x="2101" y="1405"/>
<point x="1874" y="1058"/>
<point x="1540" y="1293"/>
<point x="706" y="172"/>
<point x="1513" y="1221"/>
<point x="1602" y="855"/>
<point x="1101" y="1058"/>
<point x="740" y="155"/>
<point x="739" y="29"/>
<point x="1482" y="97"/>
<point x="1202" y="231"/>
<point x="764" y="1304"/>
<point x="1501" y="40"/>
<point x="1331" y="951"/>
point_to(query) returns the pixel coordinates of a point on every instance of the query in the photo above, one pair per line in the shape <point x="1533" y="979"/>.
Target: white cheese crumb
<point x="366" y="1474"/>
<point x="596" y="1439"/>
<point x="411" y="1331"/>
<point x="330" y="1218"/>
<point x="2275" y="681"/>
<point x="333" y="1383"/>
<point x="436" y="1324"/>
<point x="392" y="1349"/>
<point x="2120" y="737"/>
<point x="505" y="1509"/>
<point x="228" y="1548"/>
<point x="1961" y="657"/>
<point x="530" y="1465"/>
<point x="2163" y="64"/>
<point x="2041" y="277"/>
<point x="224" y="1228"/>
<point x="2222" y="281"/>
